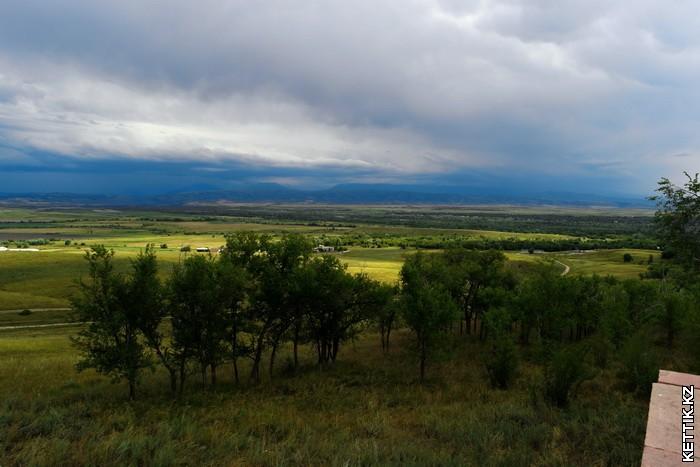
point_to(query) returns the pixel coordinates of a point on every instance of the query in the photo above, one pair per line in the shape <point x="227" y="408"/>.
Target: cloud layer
<point x="362" y="90"/>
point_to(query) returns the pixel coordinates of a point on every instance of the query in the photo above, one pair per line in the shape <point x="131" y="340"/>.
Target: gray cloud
<point x="398" y="87"/>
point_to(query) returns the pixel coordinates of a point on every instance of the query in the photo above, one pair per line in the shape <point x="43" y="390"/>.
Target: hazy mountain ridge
<point x="339" y="194"/>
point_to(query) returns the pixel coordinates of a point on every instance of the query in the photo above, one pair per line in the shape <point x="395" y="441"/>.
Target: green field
<point x="365" y="410"/>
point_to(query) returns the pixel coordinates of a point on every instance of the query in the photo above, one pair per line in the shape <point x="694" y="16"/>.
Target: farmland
<point x="47" y="279"/>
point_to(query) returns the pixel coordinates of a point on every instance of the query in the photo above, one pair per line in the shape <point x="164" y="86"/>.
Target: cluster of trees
<point x="257" y="295"/>
<point x="571" y="326"/>
<point x="260" y="294"/>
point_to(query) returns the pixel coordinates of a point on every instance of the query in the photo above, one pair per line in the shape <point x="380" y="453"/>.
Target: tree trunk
<point x="213" y="374"/>
<point x="182" y="377"/>
<point x="235" y="370"/>
<point x="132" y="388"/>
<point x="255" y="371"/>
<point x="336" y="347"/>
<point x="234" y="351"/>
<point x="422" y="366"/>
<point x="272" y="357"/>
<point x="173" y="380"/>
<point x="296" y="347"/>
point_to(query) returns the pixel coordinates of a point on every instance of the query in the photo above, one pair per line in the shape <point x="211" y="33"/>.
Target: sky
<point x="127" y="96"/>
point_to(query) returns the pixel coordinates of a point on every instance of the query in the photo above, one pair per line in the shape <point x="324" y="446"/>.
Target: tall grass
<point x="368" y="409"/>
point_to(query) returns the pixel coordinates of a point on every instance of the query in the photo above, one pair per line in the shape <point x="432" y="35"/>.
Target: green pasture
<point x="609" y="262"/>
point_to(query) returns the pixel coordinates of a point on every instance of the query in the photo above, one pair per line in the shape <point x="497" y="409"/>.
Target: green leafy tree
<point x="502" y="358"/>
<point x="678" y="220"/>
<point x="282" y="305"/>
<point x="470" y="275"/>
<point x="336" y="304"/>
<point x="199" y="320"/>
<point x="233" y="286"/>
<point x="428" y="307"/>
<point x="110" y="341"/>
<point x="145" y="295"/>
<point x="385" y="312"/>
<point x="672" y="310"/>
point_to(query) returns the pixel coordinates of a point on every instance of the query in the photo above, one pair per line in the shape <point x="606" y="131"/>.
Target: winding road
<point x="566" y="268"/>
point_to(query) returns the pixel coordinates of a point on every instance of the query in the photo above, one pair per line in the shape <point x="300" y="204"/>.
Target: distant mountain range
<point x="339" y="194"/>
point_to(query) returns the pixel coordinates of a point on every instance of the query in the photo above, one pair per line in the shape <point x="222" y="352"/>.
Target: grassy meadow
<point x="367" y="409"/>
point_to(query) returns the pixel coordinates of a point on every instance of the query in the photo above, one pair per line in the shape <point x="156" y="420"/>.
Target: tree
<point x="627" y="258"/>
<point x="335" y="304"/>
<point x="678" y="220"/>
<point x="672" y="310"/>
<point x="428" y="308"/>
<point x="233" y="287"/>
<point x="283" y="307"/>
<point x="386" y="312"/>
<point x="109" y="342"/>
<point x="468" y="275"/>
<point x="146" y="296"/>
<point x="544" y="302"/>
<point x="198" y="316"/>
<point x="502" y="360"/>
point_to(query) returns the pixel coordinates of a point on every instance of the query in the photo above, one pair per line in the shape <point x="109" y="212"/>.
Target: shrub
<point x="163" y="246"/>
<point x="185" y="248"/>
<point x="25" y="312"/>
<point x="502" y="362"/>
<point x="640" y="365"/>
<point x="67" y="243"/>
<point x="601" y="348"/>
<point x="627" y="258"/>
<point x="563" y="374"/>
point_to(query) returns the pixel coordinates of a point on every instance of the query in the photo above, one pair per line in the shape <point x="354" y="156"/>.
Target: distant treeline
<point x="484" y="243"/>
<point x="593" y="225"/>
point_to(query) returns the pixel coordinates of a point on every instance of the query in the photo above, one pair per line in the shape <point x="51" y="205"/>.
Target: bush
<point x="502" y="362"/>
<point x="563" y="374"/>
<point x="627" y="258"/>
<point x="601" y="348"/>
<point x="67" y="243"/>
<point x="640" y="364"/>
<point x="163" y="246"/>
<point x="186" y="248"/>
<point x="25" y="312"/>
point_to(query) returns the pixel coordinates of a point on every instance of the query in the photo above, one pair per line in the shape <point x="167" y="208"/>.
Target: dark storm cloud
<point x="577" y="90"/>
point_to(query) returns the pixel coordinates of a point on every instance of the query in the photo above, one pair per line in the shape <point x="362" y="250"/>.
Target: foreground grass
<point x="366" y="410"/>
